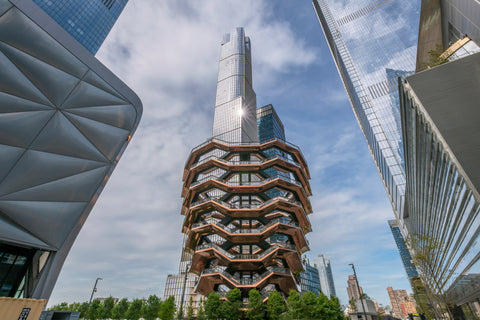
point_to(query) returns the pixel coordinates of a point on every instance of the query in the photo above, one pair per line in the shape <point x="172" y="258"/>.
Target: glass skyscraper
<point x="235" y="117"/>
<point x="403" y="250"/>
<point x="309" y="279"/>
<point x="371" y="41"/>
<point x="269" y="124"/>
<point x="326" y="277"/>
<point x="89" y="22"/>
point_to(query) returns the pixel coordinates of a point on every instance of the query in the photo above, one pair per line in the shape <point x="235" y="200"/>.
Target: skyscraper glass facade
<point x="325" y="274"/>
<point x="89" y="22"/>
<point x="309" y="279"/>
<point x="402" y="249"/>
<point x="235" y="118"/>
<point x="367" y="39"/>
<point x="269" y="124"/>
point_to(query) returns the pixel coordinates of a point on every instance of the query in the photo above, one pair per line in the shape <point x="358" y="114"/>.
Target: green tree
<point x="135" y="309"/>
<point x="322" y="308"/>
<point x="167" y="310"/>
<point x="275" y="305"/>
<point x="294" y="305"/>
<point x="231" y="307"/>
<point x="201" y="311"/>
<point x="190" y="309"/>
<point x="74" y="306"/>
<point x="95" y="311"/>
<point x="120" y="309"/>
<point x="336" y="308"/>
<point x="256" y="308"/>
<point x="82" y="308"/>
<point x="423" y="250"/>
<point x="309" y="305"/>
<point x="151" y="308"/>
<point x="63" y="306"/>
<point x="108" y="305"/>
<point x="212" y="306"/>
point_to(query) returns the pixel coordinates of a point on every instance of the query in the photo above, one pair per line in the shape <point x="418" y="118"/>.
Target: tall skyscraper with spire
<point x="236" y="103"/>
<point x="245" y="201"/>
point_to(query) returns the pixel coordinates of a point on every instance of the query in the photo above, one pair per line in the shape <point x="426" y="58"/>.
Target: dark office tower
<point x="245" y="202"/>
<point x="65" y="121"/>
<point x="269" y="124"/>
<point x="367" y="38"/>
<point x="309" y="279"/>
<point x="88" y="21"/>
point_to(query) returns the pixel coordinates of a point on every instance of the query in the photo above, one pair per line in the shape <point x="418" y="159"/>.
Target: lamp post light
<point x="358" y="288"/>
<point x="93" y="291"/>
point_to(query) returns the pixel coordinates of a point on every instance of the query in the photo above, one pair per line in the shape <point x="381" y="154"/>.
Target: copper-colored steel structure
<point x="246" y="208"/>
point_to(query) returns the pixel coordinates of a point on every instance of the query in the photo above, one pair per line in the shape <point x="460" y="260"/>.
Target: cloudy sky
<point x="167" y="52"/>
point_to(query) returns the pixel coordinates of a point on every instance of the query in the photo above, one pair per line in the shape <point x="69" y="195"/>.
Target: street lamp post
<point x="93" y="291"/>
<point x="358" y="288"/>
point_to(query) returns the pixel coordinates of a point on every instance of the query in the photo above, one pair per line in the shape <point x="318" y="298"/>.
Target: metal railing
<point x="244" y="206"/>
<point x="247" y="230"/>
<point x="249" y="183"/>
<point x="233" y="162"/>
<point x="247" y="256"/>
<point x="246" y="281"/>
<point x="244" y="143"/>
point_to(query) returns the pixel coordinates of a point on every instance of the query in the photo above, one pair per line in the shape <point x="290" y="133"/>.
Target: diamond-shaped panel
<point x="22" y="33"/>
<point x="26" y="126"/>
<point x="49" y="221"/>
<point x="92" y="78"/>
<point x="4" y="6"/>
<point x="62" y="137"/>
<point x="118" y="116"/>
<point x="14" y="82"/>
<point x="106" y="138"/>
<point x="52" y="82"/>
<point x="8" y="156"/>
<point x="12" y="233"/>
<point x="12" y="103"/>
<point x="35" y="168"/>
<point x="79" y="187"/>
<point x="86" y="95"/>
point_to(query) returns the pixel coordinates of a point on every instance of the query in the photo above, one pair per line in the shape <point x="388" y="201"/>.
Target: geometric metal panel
<point x="60" y="136"/>
<point x="52" y="217"/>
<point x="64" y="121"/>
<point x="106" y="138"/>
<point x="12" y="233"/>
<point x="55" y="84"/>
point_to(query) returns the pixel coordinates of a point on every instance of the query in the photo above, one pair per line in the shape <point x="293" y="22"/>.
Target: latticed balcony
<point x="245" y="208"/>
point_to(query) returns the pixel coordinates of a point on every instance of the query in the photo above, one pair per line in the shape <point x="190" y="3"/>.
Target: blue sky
<point x="167" y="51"/>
